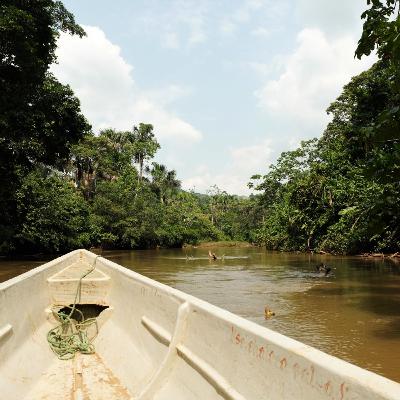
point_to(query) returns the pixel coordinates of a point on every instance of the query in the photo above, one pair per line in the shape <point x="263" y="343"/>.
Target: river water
<point x="353" y="314"/>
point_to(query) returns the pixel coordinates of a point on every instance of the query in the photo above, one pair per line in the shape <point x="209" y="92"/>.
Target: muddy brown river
<point x="353" y="314"/>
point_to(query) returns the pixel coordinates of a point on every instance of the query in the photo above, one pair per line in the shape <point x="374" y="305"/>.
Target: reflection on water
<point x="354" y="313"/>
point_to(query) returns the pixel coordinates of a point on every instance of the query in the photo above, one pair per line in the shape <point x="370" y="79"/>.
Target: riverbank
<point x="227" y="243"/>
<point x="395" y="256"/>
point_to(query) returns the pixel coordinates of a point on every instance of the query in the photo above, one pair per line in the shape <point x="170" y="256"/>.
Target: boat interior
<point x="154" y="342"/>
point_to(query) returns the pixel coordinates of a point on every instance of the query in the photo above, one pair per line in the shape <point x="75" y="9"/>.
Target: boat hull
<point x="156" y="342"/>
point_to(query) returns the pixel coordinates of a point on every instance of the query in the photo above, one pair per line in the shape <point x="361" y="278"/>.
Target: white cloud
<point x="165" y="124"/>
<point x="251" y="158"/>
<point x="312" y="77"/>
<point x="243" y="162"/>
<point x="102" y="79"/>
<point x="204" y="179"/>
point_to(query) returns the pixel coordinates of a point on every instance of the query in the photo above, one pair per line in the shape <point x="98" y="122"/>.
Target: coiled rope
<point x="71" y="336"/>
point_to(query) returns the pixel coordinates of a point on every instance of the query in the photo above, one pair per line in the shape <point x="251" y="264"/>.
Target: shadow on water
<point x="382" y="305"/>
<point x="390" y="331"/>
<point x="356" y="290"/>
<point x="380" y="298"/>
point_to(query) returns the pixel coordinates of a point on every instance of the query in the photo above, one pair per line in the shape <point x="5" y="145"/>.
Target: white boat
<point x="155" y="342"/>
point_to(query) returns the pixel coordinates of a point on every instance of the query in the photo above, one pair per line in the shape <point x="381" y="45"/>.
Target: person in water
<point x="268" y="313"/>
<point x="323" y="268"/>
<point x="211" y="255"/>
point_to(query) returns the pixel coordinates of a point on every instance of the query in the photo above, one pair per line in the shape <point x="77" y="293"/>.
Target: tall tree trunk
<point x="140" y="168"/>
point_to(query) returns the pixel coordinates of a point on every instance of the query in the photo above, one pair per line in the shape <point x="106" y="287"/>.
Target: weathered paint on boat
<point x="158" y="343"/>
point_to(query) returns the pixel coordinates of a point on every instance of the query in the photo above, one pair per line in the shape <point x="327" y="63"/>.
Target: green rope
<point x="71" y="336"/>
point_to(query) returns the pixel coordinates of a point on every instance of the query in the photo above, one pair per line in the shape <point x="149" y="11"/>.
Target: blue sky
<point x="228" y="85"/>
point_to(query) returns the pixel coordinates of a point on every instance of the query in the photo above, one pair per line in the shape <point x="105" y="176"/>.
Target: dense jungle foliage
<point x="63" y="187"/>
<point x="341" y="193"/>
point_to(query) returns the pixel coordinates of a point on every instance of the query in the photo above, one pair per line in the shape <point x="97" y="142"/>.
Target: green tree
<point x="163" y="182"/>
<point x="381" y="31"/>
<point x="53" y="216"/>
<point x="41" y="136"/>
<point x="371" y="164"/>
<point x="28" y="33"/>
<point x="102" y="157"/>
<point x="337" y="193"/>
<point x="39" y="117"/>
<point x="184" y="221"/>
<point x="124" y="217"/>
<point x="145" y="145"/>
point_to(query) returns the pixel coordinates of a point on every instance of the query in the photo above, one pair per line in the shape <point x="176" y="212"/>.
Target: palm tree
<point x="145" y="145"/>
<point x="164" y="182"/>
